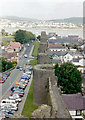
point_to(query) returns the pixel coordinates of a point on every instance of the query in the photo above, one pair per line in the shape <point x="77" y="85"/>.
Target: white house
<point x="79" y="62"/>
<point x="67" y="58"/>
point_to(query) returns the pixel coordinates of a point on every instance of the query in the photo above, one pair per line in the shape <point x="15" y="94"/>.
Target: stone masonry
<point x="45" y="90"/>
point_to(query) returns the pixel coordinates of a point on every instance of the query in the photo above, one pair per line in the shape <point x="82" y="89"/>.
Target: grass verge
<point x="33" y="62"/>
<point x="36" y="47"/>
<point x="29" y="107"/>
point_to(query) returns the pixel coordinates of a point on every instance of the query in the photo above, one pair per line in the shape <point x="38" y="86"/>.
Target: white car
<point x="10" y="106"/>
<point x="28" y="45"/>
<point x="8" y="101"/>
<point x="16" y="97"/>
<point x="25" y="55"/>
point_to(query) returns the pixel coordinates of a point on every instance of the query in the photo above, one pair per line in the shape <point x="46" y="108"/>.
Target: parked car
<point x="8" y="101"/>
<point x="2" y="80"/>
<point x="20" y="68"/>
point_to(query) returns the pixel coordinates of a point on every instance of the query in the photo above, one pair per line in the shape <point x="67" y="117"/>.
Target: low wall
<point x="59" y="109"/>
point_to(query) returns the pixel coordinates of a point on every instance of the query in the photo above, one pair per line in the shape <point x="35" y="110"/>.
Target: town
<point x="29" y="61"/>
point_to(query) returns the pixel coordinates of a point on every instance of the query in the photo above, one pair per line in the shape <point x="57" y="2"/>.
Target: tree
<point x="38" y="37"/>
<point x="3" y="32"/>
<point x="75" y="46"/>
<point x="23" y="36"/>
<point x="69" y="78"/>
<point x="5" y="65"/>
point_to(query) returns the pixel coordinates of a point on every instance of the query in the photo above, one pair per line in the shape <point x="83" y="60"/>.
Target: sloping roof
<point x="9" y="55"/>
<point x="70" y="40"/>
<point x="74" y="101"/>
<point x="14" y="44"/>
<point x="53" y="38"/>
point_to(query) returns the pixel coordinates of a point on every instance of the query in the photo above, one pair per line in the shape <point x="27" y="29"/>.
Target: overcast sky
<point x="42" y="9"/>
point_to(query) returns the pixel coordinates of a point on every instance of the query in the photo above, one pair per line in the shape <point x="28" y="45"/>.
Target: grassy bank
<point x="36" y="47"/>
<point x="33" y="62"/>
<point x="29" y="107"/>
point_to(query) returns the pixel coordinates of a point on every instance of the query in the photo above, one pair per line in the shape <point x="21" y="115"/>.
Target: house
<point x="67" y="57"/>
<point x="75" y="103"/>
<point x="13" y="47"/>
<point x="79" y="62"/>
<point x="57" y="48"/>
<point x="63" y="40"/>
<point x="12" y="56"/>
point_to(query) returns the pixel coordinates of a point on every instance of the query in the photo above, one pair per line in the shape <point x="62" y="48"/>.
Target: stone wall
<point x="59" y="109"/>
<point x="43" y="37"/>
<point x="45" y="90"/>
<point x="41" y="73"/>
<point x="43" y="47"/>
<point x="43" y="58"/>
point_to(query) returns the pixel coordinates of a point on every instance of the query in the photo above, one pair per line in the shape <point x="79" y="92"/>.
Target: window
<point x="14" y="49"/>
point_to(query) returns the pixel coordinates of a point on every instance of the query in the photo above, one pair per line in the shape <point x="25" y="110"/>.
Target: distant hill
<point x="75" y="20"/>
<point x="14" y="18"/>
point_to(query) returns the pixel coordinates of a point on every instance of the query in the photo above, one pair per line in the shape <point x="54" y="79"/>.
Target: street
<point x="15" y="75"/>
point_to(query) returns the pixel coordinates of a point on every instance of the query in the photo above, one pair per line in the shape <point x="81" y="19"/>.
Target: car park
<point x="10" y="105"/>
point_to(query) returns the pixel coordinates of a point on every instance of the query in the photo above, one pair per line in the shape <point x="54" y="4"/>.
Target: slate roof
<point x="69" y="40"/>
<point x="74" y="101"/>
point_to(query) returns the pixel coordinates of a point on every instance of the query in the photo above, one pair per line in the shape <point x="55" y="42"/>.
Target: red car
<point x="2" y="80"/>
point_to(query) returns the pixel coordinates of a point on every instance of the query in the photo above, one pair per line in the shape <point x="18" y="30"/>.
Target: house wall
<point x="72" y="112"/>
<point x="67" y="57"/>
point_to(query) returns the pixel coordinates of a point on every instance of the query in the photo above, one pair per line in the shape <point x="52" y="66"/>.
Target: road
<point x="15" y="74"/>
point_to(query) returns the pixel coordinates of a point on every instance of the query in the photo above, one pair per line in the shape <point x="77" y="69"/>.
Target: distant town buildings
<point x="5" y="23"/>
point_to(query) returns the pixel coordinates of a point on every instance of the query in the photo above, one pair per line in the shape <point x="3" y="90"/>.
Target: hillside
<point x="75" y="20"/>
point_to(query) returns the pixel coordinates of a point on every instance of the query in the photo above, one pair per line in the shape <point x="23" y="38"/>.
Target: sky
<point x="42" y="9"/>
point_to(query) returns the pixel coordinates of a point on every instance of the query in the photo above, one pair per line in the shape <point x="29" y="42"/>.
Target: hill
<point x="75" y="20"/>
<point x="14" y="18"/>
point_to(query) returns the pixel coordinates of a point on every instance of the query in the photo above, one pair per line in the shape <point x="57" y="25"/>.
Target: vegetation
<point x="5" y="65"/>
<point x="67" y="45"/>
<point x="36" y="47"/>
<point x="23" y="36"/>
<point x="29" y="107"/>
<point x="3" y="33"/>
<point x="69" y="78"/>
<point x="38" y="37"/>
<point x="75" y="46"/>
<point x="33" y="62"/>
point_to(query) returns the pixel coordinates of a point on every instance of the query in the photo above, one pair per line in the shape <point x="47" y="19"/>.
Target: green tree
<point x="38" y="37"/>
<point x="69" y="78"/>
<point x="75" y="46"/>
<point x="23" y="36"/>
<point x="5" y="65"/>
<point x="3" y="32"/>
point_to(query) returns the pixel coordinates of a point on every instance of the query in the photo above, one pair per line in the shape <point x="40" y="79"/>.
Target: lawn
<point x="7" y="39"/>
<point x="33" y="62"/>
<point x="36" y="47"/>
<point x="29" y="107"/>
